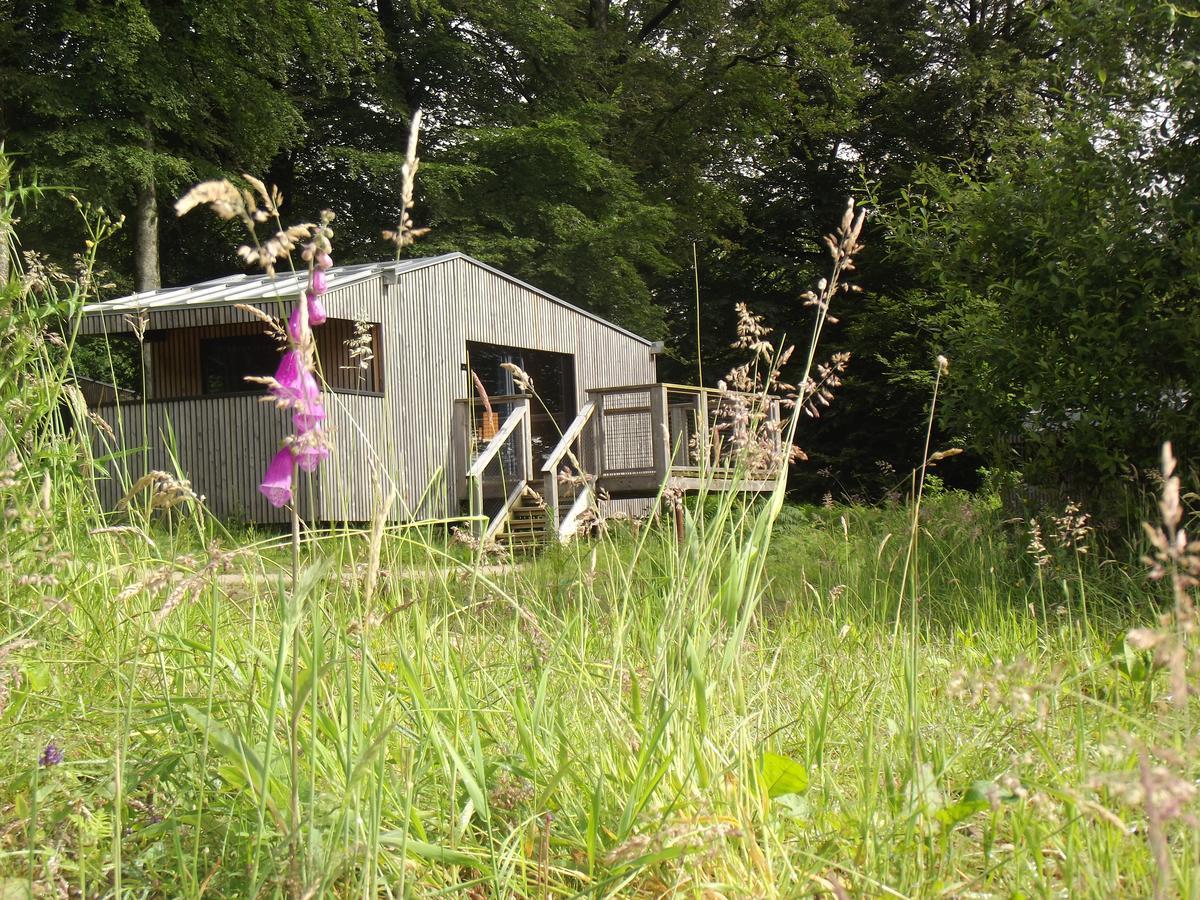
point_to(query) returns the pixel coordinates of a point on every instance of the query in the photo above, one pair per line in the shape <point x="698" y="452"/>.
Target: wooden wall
<point x="428" y="316"/>
<point x="223" y="444"/>
<point x="400" y="440"/>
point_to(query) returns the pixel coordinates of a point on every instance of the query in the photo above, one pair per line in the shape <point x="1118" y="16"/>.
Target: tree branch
<point x="653" y="23"/>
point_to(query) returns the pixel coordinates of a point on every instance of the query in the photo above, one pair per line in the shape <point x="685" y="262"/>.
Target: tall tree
<point x="581" y="146"/>
<point x="129" y="101"/>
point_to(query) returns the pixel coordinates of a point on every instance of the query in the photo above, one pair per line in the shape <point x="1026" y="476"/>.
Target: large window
<point x="553" y="375"/>
<point x="225" y="362"/>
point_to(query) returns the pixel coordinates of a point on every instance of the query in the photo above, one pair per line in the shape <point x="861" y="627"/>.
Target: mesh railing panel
<point x="627" y="432"/>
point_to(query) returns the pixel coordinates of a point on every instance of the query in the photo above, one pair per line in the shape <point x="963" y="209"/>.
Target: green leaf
<point x="1134" y="664"/>
<point x="434" y="852"/>
<point x="783" y="775"/>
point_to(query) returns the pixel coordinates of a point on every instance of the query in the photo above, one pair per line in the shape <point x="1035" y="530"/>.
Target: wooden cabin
<point x="408" y="354"/>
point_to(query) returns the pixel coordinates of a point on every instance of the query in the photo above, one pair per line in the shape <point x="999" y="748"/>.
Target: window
<point x="225" y="362"/>
<point x="349" y="352"/>
<point x="553" y="374"/>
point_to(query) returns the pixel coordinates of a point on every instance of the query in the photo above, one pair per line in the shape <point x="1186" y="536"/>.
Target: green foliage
<point x="782" y="775"/>
<point x="539" y="199"/>
<point x="1061" y="282"/>
<point x="108" y="98"/>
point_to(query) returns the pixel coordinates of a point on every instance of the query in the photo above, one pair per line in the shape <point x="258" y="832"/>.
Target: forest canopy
<point x="1030" y="166"/>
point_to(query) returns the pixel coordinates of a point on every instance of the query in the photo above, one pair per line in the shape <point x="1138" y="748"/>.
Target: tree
<point x="581" y="147"/>
<point x="1063" y="283"/>
<point x="133" y="100"/>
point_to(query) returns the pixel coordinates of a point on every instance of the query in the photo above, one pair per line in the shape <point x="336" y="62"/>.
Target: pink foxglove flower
<point x="308" y="417"/>
<point x="294" y="383"/>
<point x="295" y="387"/>
<point x="311" y="450"/>
<point x="316" y="309"/>
<point x="316" y="316"/>
<point x="277" y="482"/>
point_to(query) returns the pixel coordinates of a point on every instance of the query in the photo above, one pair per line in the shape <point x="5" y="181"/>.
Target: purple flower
<point x="51" y="756"/>
<point x="312" y="452"/>
<point x="277" y="482"/>
<point x="294" y="325"/>
<point x="319" y="283"/>
<point x="308" y="417"/>
<point x="316" y="309"/>
<point x="294" y="383"/>
<point x="316" y="316"/>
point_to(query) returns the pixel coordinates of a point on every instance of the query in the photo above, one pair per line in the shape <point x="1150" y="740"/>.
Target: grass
<point x="788" y="702"/>
<point x="590" y="722"/>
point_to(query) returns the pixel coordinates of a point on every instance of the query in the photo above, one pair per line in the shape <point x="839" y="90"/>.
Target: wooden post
<point x="703" y="441"/>
<point x="460" y="447"/>
<point x="597" y="446"/>
<point x="550" y="496"/>
<point x="660" y="434"/>
<point x="784" y="458"/>
<point x="527" y="444"/>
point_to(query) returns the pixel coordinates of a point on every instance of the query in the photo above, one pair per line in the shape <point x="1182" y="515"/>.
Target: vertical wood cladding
<point x="399" y="441"/>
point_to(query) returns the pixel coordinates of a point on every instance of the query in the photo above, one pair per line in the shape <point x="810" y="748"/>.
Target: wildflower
<point x="51" y="756"/>
<point x="316" y="309"/>
<point x="294" y="384"/>
<point x="316" y="316"/>
<point x="277" y="482"/>
<point x="308" y="417"/>
<point x="310" y="449"/>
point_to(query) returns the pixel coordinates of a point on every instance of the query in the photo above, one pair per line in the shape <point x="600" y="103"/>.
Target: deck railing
<point x="506" y="461"/>
<point x="664" y="430"/>
<point x="627" y="441"/>
<point x="570" y="449"/>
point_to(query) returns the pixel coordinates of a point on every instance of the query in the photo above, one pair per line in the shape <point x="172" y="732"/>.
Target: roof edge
<point x="390" y="270"/>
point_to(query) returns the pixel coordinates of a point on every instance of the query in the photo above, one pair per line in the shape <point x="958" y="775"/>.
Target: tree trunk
<point x="598" y="14"/>
<point x="146" y="239"/>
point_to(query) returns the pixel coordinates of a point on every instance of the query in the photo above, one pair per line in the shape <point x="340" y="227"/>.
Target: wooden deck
<point x="626" y="442"/>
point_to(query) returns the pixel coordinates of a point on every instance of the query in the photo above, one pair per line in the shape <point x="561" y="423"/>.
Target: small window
<point x="225" y="362"/>
<point x="349" y="354"/>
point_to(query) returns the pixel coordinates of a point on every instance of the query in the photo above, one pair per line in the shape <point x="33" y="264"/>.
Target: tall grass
<point x="727" y="715"/>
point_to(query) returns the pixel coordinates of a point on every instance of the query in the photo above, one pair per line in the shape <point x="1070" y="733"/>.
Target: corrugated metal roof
<point x="244" y="288"/>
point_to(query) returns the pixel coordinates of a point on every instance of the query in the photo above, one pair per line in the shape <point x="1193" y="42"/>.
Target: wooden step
<point x="526" y="528"/>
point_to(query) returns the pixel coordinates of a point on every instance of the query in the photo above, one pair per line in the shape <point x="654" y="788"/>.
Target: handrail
<point x="569" y="437"/>
<point x="494" y="445"/>
<point x="570" y="522"/>
<point x="676" y="388"/>
<point x="498" y="398"/>
<point x="505" y="511"/>
<point x="549" y="473"/>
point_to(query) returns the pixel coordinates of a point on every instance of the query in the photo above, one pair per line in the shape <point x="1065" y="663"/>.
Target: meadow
<point x="792" y="701"/>
<point x="933" y="697"/>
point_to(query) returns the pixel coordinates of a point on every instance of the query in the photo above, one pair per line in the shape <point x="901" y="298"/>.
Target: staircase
<point x="524" y="530"/>
<point x="527" y="519"/>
